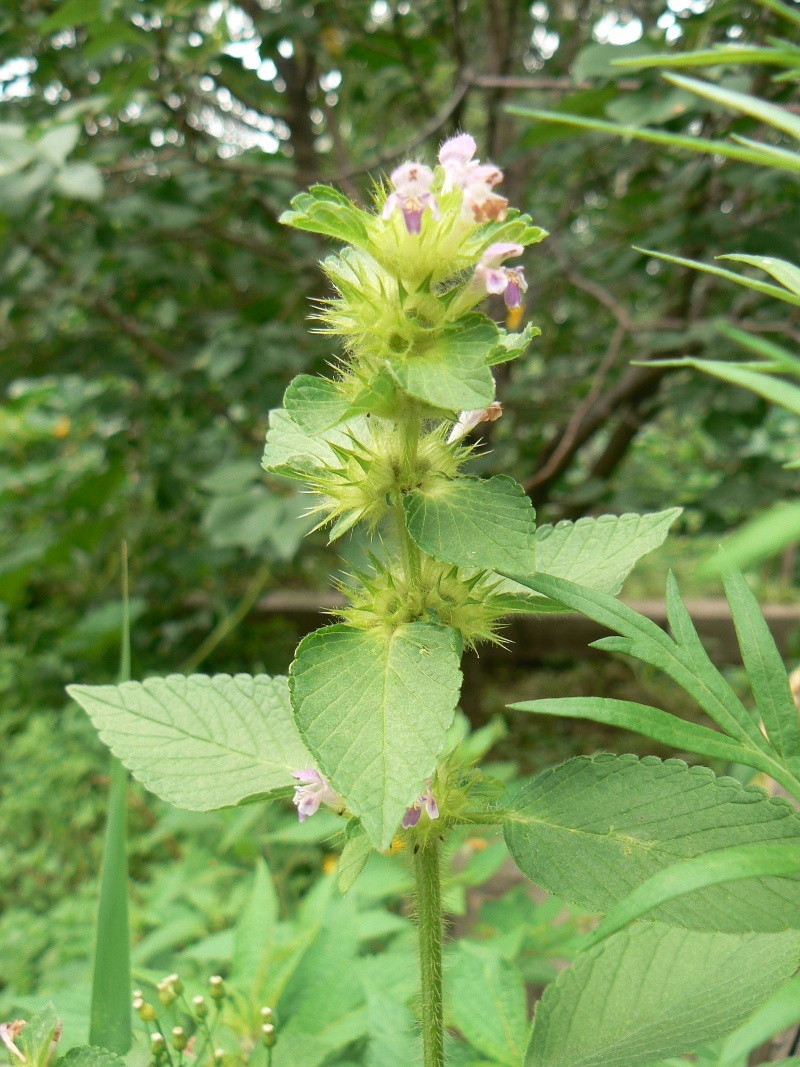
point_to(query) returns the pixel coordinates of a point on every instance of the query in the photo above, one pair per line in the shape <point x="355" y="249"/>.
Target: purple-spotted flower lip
<point x="412" y="195"/>
<point x="426" y="801"/>
<point x="314" y="791"/>
<point x="494" y="278"/>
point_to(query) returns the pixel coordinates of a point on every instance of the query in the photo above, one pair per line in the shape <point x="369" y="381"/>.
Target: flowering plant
<point x="365" y="722"/>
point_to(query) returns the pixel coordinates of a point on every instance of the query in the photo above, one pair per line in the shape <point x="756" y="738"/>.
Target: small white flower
<point x="315" y="791"/>
<point x="468" y="420"/>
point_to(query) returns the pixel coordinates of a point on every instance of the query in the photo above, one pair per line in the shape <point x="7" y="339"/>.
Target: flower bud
<point x="200" y="1006"/>
<point x="216" y="987"/>
<point x="158" y="1045"/>
<point x="176" y="983"/>
<point x="219" y="1055"/>
<point x="266" y="1014"/>
<point x="178" y="1038"/>
<point x="268" y="1035"/>
<point x="145" y="1011"/>
<point x="166" y="994"/>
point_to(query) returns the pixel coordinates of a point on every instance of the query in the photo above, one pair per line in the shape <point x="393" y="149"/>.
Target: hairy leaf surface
<point x="653" y="991"/>
<point x="595" y="828"/>
<point x="475" y="523"/>
<point x="200" y="742"/>
<point x="375" y="708"/>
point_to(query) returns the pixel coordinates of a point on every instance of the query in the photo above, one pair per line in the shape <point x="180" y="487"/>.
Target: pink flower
<point x="468" y="420"/>
<point x="308" y="797"/>
<point x="9" y="1032"/>
<point x="426" y="801"/>
<point x="475" y="179"/>
<point x="412" y="195"/>
<point x="494" y="278"/>
<point x="455" y="157"/>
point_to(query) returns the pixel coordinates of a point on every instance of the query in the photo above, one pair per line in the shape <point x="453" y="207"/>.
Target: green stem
<point x="429" y="922"/>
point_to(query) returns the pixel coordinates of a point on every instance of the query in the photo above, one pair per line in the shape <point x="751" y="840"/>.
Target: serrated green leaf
<point x="598" y="553"/>
<point x="294" y="453"/>
<point x="513" y="345"/>
<point x="488" y="1004"/>
<point x="200" y="742"/>
<point x="765" y="671"/>
<point x="315" y="404"/>
<point x="326" y="211"/>
<point x="375" y="708"/>
<point x="254" y="934"/>
<point x="595" y="828"/>
<point x="654" y="991"/>
<point x="485" y="524"/>
<point x="781" y="270"/>
<point x="356" y="852"/>
<point x="449" y="369"/>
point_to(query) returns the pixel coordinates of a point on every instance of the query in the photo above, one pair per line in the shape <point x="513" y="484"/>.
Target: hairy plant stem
<point x="429" y="922"/>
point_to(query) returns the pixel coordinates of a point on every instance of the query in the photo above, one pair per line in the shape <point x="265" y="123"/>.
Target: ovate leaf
<point x="654" y="991"/>
<point x="475" y="523"/>
<point x="375" y="707"/>
<point x="593" y="829"/>
<point x="449" y="370"/>
<point x="488" y="1004"/>
<point x="200" y="742"/>
<point x="254" y="934"/>
<point x="598" y="553"/>
<point x="315" y="404"/>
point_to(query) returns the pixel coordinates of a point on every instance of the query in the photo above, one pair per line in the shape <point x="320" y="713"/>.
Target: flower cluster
<point x="413" y="183"/>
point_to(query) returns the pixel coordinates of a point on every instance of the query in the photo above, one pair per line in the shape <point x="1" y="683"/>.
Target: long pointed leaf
<point x="771" y="114"/>
<point x="110" y="1025"/>
<point x="716" y="868"/>
<point x="644" y="133"/>
<point x="768" y="350"/>
<point x="729" y="275"/>
<point x="773" y="389"/>
<point x="765" y="671"/>
<point x="781" y="1011"/>
<point x="788" y="274"/>
<point x="654" y="723"/>
<point x="650" y="643"/>
<point x="759" y="539"/>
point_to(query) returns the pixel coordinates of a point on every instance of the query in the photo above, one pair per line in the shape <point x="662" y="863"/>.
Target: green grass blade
<point x="757" y="381"/>
<point x="110" y="1025"/>
<point x="729" y="275"/>
<point x="654" y="723"/>
<point x="770" y="114"/>
<point x="769" y="350"/>
<point x="715" y="868"/>
<point x="726" y="55"/>
<point x="765" y="671"/>
<point x="759" y="539"/>
<point x="644" y="133"/>
<point x="784" y="10"/>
